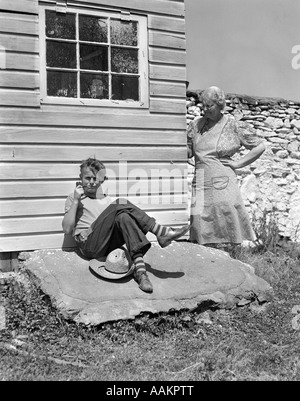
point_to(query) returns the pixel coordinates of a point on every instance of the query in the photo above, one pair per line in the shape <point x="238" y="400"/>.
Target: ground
<point x="254" y="342"/>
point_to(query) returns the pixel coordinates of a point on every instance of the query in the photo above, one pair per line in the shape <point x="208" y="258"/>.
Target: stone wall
<point x="271" y="183"/>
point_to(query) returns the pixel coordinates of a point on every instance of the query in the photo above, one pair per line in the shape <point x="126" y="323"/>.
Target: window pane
<point x="60" y="54"/>
<point x="92" y="29"/>
<point x="93" y="57"/>
<point x="60" y="25"/>
<point x="124" y="60"/>
<point x="123" y="33"/>
<point x="93" y="86"/>
<point x="125" y="88"/>
<point x="62" y="84"/>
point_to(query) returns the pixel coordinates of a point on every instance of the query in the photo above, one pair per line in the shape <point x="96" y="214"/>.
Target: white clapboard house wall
<point x="89" y="78"/>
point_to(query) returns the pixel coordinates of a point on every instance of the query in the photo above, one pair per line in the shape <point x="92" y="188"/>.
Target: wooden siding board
<point x="38" y="207"/>
<point x="167" y="105"/>
<point x="168" y="89"/>
<point x="24" y="6"/>
<point x="34" y="242"/>
<point x="15" y="79"/>
<point x="19" y="61"/>
<point x="50" y="118"/>
<point x="19" y="98"/>
<point x="123" y="188"/>
<point x="71" y="153"/>
<point x="39" y="135"/>
<point x="168" y="73"/>
<point x="167" y="57"/>
<point x="166" y="23"/>
<point x="167" y="39"/>
<point x="153" y="6"/>
<point x="30" y="225"/>
<point x="18" y="23"/>
<point x="45" y="241"/>
<point x="21" y="170"/>
<point x="19" y="43"/>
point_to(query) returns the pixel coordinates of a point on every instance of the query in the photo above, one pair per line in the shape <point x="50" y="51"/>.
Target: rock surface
<point x="184" y="276"/>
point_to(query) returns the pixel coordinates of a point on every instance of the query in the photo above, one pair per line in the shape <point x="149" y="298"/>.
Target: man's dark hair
<point x="92" y="163"/>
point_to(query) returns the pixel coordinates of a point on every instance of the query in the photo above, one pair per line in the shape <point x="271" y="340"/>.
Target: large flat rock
<point x="184" y="276"/>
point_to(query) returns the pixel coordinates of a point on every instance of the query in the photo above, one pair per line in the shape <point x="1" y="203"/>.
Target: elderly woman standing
<point x="218" y="215"/>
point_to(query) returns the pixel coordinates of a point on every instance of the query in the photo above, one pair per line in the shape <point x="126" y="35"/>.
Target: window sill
<point x="94" y="103"/>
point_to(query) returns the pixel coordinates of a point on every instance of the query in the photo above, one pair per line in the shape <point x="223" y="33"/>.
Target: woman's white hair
<point x="214" y="94"/>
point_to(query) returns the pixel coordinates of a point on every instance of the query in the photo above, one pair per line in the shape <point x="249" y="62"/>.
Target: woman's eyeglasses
<point x="207" y="107"/>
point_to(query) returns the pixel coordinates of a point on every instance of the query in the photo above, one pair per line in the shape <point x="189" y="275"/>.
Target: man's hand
<point x="79" y="191"/>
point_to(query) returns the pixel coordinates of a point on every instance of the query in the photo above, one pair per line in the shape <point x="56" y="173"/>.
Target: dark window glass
<point x="124" y="60"/>
<point x="93" y="57"/>
<point x="125" y="88"/>
<point x="61" y="54"/>
<point x="92" y="29"/>
<point x="60" y="25"/>
<point x="63" y="84"/>
<point x="123" y="33"/>
<point x="93" y="86"/>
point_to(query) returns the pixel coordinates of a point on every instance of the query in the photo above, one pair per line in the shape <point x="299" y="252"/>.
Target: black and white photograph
<point x="149" y="193"/>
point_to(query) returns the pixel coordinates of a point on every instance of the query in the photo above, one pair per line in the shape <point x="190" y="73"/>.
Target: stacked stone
<point x="271" y="183"/>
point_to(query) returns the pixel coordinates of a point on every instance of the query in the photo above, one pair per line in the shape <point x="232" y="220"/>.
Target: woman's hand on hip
<point x="229" y="163"/>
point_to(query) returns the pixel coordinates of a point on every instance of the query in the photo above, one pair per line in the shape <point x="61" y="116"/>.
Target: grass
<point x="249" y="343"/>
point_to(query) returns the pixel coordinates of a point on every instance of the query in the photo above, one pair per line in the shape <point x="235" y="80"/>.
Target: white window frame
<point x="142" y="60"/>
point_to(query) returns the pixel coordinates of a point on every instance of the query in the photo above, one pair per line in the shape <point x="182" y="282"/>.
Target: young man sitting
<point x="100" y="225"/>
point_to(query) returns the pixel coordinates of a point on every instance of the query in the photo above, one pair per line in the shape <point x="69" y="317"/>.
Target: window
<point x="93" y="58"/>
